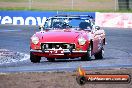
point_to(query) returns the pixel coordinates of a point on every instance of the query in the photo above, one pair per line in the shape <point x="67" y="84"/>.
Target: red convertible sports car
<point x="67" y="36"/>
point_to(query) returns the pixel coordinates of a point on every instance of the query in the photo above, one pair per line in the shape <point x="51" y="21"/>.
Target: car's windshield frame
<point x="50" y="21"/>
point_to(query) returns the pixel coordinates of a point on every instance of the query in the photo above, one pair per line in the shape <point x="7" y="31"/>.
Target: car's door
<point x="97" y="39"/>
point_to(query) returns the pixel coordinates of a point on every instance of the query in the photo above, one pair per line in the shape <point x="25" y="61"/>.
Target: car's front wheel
<point x="100" y="54"/>
<point x="88" y="55"/>
<point x="34" y="58"/>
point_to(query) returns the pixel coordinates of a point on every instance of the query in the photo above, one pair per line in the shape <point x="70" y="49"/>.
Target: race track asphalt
<point x="118" y="51"/>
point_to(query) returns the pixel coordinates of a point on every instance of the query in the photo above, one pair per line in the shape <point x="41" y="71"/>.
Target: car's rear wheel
<point x="34" y="58"/>
<point x="51" y="59"/>
<point x="88" y="55"/>
<point x="100" y="54"/>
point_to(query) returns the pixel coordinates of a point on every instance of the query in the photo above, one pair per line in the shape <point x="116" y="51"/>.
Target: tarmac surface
<point x="118" y="51"/>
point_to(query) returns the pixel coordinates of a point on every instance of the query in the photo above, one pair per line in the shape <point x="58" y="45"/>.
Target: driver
<point x="61" y="25"/>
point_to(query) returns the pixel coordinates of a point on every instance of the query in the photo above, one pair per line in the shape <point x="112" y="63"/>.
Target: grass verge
<point x="67" y="10"/>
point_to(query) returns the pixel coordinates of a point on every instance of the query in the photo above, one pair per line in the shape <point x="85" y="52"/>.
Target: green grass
<point x="18" y="8"/>
<point x="13" y="0"/>
<point x="28" y="0"/>
<point x="67" y="10"/>
<point x="50" y="0"/>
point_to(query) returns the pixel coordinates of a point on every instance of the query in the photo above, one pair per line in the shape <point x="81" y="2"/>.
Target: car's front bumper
<point x="64" y="51"/>
<point x="63" y="54"/>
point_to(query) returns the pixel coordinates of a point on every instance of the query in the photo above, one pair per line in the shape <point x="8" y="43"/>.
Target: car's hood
<point x="67" y="36"/>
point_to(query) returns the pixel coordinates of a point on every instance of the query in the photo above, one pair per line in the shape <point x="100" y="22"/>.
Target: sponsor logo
<point x="22" y="21"/>
<point x="83" y="78"/>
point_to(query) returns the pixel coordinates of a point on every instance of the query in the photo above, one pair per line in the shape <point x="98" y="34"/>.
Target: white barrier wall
<point x="119" y="20"/>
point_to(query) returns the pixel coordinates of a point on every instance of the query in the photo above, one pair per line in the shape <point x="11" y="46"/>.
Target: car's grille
<point x="57" y="46"/>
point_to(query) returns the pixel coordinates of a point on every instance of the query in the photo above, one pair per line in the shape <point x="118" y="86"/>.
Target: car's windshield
<point x="63" y="23"/>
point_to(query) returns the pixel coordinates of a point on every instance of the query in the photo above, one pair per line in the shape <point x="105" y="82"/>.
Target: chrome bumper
<point x="64" y="51"/>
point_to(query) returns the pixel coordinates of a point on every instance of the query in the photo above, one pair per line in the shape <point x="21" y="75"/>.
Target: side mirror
<point x="97" y="27"/>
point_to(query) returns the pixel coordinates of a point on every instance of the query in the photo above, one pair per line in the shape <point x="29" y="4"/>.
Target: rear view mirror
<point x="97" y="27"/>
<point x="41" y="27"/>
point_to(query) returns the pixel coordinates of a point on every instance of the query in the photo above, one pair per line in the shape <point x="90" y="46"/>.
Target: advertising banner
<point x="119" y="20"/>
<point x="32" y="17"/>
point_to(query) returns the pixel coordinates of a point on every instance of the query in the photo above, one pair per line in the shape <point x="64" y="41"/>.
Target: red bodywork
<point x="69" y="36"/>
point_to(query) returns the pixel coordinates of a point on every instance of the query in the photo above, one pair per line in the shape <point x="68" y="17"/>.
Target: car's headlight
<point x="81" y="41"/>
<point x="35" y="40"/>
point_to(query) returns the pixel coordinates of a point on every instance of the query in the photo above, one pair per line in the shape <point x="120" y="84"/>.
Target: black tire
<point x="34" y="58"/>
<point x="88" y="55"/>
<point x="100" y="54"/>
<point x="81" y="80"/>
<point x="51" y="59"/>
